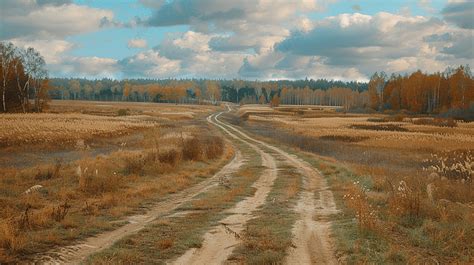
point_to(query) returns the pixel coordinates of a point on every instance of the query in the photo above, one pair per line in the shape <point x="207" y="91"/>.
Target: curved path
<point x="220" y="242"/>
<point x="77" y="253"/>
<point x="311" y="232"/>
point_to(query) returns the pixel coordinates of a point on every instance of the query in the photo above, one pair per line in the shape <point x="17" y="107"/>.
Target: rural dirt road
<point x="77" y="253"/>
<point x="311" y="232"/>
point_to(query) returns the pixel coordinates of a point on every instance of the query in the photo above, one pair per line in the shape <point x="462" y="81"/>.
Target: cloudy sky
<point x="248" y="39"/>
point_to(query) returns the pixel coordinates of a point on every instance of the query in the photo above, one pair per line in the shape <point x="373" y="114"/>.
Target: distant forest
<point x="25" y="87"/>
<point x="199" y="90"/>
<point x="418" y="92"/>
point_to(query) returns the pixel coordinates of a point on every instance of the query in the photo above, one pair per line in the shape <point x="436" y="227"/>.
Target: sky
<point x="246" y="39"/>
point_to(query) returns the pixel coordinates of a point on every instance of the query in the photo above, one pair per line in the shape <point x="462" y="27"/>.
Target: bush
<point x="214" y="147"/>
<point x="171" y="157"/>
<point x="193" y="149"/>
<point x="97" y="184"/>
<point x="134" y="165"/>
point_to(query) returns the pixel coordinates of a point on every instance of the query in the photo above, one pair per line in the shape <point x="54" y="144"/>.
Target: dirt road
<point x="76" y="253"/>
<point x="311" y="232"/>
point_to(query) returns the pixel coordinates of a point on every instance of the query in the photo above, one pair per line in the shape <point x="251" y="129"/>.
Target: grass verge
<point x="267" y="237"/>
<point x="171" y="236"/>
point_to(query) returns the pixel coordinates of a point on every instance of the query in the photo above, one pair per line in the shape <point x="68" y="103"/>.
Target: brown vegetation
<point x="52" y="204"/>
<point x="408" y="185"/>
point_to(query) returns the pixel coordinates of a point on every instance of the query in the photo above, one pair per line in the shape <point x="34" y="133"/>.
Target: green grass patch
<point x="267" y="237"/>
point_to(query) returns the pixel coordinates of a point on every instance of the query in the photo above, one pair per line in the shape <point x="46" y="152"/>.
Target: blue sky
<point x="248" y="39"/>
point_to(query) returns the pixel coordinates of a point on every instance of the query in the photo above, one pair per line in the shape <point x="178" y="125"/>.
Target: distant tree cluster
<point x="203" y="90"/>
<point x="418" y="92"/>
<point x="23" y="79"/>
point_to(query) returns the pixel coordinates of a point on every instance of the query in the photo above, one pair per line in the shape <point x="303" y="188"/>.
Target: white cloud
<point x="29" y="20"/>
<point x="137" y="43"/>
<point x="94" y="67"/>
<point x="51" y="50"/>
<point x="149" y="64"/>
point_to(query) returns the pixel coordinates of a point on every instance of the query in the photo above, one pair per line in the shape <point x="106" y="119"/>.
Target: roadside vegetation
<point x="52" y="204"/>
<point x="406" y="194"/>
<point x="170" y="236"/>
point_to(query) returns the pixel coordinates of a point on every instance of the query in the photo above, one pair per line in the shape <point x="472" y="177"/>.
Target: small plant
<point x="59" y="213"/>
<point x="356" y="199"/>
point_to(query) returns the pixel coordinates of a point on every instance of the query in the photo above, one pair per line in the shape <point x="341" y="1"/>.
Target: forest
<point x="25" y="87"/>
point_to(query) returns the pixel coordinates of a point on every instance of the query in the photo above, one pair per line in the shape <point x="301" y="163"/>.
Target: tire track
<point x="220" y="242"/>
<point x="75" y="254"/>
<point x="311" y="233"/>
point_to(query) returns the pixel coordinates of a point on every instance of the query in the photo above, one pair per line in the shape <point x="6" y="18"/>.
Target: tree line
<point x="348" y="94"/>
<point x="450" y="91"/>
<point x="25" y="87"/>
<point x="23" y="80"/>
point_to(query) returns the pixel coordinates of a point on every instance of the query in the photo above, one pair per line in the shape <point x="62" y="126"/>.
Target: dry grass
<point x="77" y="198"/>
<point x="33" y="128"/>
<point x="408" y="183"/>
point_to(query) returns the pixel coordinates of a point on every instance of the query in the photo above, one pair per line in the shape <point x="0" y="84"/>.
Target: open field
<point x="407" y="183"/>
<point x="179" y="184"/>
<point x="100" y="169"/>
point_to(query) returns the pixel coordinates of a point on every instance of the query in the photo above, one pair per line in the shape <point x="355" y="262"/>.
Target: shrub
<point x="134" y="165"/>
<point x="11" y="236"/>
<point x="405" y="202"/>
<point x="456" y="165"/>
<point x="214" y="147"/>
<point x="171" y="157"/>
<point x="49" y="173"/>
<point x="387" y="127"/>
<point x="356" y="199"/>
<point x="193" y="149"/>
<point x="344" y="138"/>
<point x="94" y="183"/>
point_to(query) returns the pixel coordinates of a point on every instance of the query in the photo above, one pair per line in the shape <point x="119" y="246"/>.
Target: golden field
<point x="85" y="189"/>
<point x="407" y="181"/>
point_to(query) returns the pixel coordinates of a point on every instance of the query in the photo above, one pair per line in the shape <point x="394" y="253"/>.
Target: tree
<point x="35" y="67"/>
<point x="7" y="52"/>
<point x="376" y="85"/>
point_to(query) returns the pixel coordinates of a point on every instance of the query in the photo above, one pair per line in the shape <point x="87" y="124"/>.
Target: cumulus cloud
<point x="251" y="39"/>
<point x="149" y="64"/>
<point x="460" y="13"/>
<point x="383" y="41"/>
<point x="137" y="43"/>
<point x="243" y="25"/>
<point x="183" y="55"/>
<point x="49" y="19"/>
<point x="95" y="67"/>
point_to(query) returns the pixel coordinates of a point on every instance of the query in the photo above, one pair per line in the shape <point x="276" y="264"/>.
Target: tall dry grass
<point x="70" y="200"/>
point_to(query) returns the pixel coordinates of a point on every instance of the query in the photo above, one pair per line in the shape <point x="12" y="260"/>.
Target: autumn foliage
<point x="423" y="93"/>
